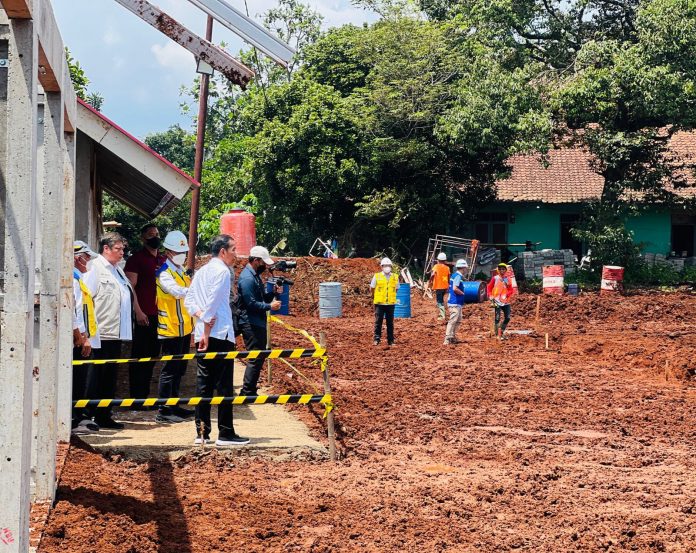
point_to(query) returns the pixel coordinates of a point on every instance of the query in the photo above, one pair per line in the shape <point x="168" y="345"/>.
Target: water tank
<point x="474" y="291"/>
<point x="403" y="302"/>
<point x="284" y="298"/>
<point x="240" y="225"/>
<point x="330" y="300"/>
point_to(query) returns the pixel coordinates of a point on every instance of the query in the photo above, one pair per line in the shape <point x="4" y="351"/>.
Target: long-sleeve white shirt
<point x="78" y="315"/>
<point x="90" y="280"/>
<point x="209" y="294"/>
<point x="168" y="282"/>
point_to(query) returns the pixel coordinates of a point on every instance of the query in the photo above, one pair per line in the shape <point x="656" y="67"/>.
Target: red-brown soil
<point x="484" y="446"/>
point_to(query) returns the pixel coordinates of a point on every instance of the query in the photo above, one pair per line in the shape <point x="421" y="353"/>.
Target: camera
<point x="284" y="265"/>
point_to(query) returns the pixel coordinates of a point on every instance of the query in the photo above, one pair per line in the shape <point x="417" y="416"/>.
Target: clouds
<point x="172" y="56"/>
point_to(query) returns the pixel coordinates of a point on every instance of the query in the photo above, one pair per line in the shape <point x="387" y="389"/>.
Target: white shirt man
<point x="208" y="300"/>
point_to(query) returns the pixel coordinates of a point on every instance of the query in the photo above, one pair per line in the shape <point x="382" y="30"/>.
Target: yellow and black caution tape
<point x="252" y="354"/>
<point x="298" y="330"/>
<point x="301" y="399"/>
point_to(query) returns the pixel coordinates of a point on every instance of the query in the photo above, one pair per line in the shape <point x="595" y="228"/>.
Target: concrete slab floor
<point x="272" y="429"/>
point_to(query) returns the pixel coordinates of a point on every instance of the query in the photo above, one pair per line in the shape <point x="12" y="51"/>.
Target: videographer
<point x="254" y="303"/>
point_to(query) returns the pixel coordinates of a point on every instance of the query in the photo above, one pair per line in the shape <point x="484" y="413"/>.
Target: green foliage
<point x="77" y="76"/>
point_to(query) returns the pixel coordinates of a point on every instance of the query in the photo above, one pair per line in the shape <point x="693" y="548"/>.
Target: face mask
<point x="386" y="270"/>
<point x="261" y="269"/>
<point x="154" y="242"/>
<point x="179" y="259"/>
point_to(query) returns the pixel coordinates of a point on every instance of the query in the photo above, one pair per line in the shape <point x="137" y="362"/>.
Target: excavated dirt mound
<point x="354" y="274"/>
<point x="483" y="446"/>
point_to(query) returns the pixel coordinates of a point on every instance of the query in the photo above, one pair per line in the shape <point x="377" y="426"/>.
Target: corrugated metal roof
<point x="128" y="169"/>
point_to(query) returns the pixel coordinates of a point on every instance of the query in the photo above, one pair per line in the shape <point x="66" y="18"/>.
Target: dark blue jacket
<point x="254" y="301"/>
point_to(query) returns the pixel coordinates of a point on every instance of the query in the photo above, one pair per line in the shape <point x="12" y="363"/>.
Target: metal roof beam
<point x="216" y="57"/>
<point x="248" y="29"/>
<point x="17" y="9"/>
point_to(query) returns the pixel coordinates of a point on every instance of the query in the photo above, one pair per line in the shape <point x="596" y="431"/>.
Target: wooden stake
<point x="330" y="418"/>
<point x="268" y="346"/>
<point x="493" y="323"/>
<point x="536" y="317"/>
<point x="547" y="340"/>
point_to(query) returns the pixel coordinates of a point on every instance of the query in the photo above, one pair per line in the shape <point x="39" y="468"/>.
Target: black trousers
<point x="384" y="312"/>
<point x="215" y="375"/>
<point x="101" y="379"/>
<point x="145" y="344"/>
<point x="173" y="371"/>
<point x="506" y="312"/>
<point x="79" y="385"/>
<point x="255" y="337"/>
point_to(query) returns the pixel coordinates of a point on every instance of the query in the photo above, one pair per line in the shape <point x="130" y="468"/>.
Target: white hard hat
<point x="462" y="264"/>
<point x="261" y="253"/>
<point x="442" y="256"/>
<point x="175" y="241"/>
<point x="385" y="261"/>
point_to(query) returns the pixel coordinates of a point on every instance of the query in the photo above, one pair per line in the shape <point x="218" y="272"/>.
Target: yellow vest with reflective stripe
<point x="172" y="318"/>
<point x="385" y="291"/>
<point x="88" y="310"/>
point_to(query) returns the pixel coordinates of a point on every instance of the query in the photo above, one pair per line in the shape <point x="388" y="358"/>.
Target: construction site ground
<point x="589" y="445"/>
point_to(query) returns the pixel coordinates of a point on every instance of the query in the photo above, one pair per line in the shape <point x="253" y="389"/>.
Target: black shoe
<point x="181" y="412"/>
<point x="110" y="423"/>
<point x="248" y="393"/>
<point x="391" y="343"/>
<point x="232" y="441"/>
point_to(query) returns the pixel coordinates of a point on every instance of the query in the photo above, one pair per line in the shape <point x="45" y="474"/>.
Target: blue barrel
<point x="284" y="298"/>
<point x="403" y="302"/>
<point x="573" y="289"/>
<point x="330" y="300"/>
<point x="474" y="291"/>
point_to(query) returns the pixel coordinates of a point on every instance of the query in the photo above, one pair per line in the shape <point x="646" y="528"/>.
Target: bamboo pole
<point x="330" y="419"/>
<point x="536" y="316"/>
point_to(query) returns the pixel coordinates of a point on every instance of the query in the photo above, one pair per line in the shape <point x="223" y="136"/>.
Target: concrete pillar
<point x="66" y="299"/>
<point x="51" y="226"/>
<point x="18" y="167"/>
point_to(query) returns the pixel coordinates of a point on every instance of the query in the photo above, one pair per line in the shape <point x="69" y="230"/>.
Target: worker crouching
<point x="500" y="292"/>
<point x="455" y="302"/>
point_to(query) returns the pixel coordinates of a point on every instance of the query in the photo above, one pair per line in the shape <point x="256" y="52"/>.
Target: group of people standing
<point x="444" y="283"/>
<point x="153" y="303"/>
<point x="499" y="292"/>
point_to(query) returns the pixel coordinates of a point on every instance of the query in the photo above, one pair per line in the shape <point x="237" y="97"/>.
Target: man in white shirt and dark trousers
<point x="208" y="300"/>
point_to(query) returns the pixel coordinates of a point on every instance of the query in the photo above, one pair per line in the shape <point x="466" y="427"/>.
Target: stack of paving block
<point x="676" y="262"/>
<point x="531" y="264"/>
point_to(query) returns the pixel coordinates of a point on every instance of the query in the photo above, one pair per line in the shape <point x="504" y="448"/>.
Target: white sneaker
<point x="231" y="442"/>
<point x="201" y="441"/>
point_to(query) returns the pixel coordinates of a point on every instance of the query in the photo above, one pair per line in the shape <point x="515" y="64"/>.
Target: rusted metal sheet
<point x="216" y="57"/>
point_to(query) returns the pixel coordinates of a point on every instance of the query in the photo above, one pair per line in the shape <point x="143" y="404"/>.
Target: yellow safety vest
<point x="385" y="291"/>
<point x="88" y="309"/>
<point x="172" y="318"/>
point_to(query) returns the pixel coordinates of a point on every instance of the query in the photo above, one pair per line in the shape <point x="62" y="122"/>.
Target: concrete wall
<point x="87" y="220"/>
<point x="653" y="230"/>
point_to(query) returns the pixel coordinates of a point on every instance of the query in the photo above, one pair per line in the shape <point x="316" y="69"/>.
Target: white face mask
<point x="179" y="259"/>
<point x="386" y="269"/>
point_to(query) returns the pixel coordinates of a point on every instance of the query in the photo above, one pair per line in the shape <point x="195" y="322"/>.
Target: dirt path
<point x="589" y="446"/>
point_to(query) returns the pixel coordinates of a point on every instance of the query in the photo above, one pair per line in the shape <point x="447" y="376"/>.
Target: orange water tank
<point x="241" y="225"/>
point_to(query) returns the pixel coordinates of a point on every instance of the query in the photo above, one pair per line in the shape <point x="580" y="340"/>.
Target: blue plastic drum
<point x="474" y="291"/>
<point x="403" y="302"/>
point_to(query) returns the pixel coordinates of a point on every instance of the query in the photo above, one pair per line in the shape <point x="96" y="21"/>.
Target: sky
<point x="140" y="71"/>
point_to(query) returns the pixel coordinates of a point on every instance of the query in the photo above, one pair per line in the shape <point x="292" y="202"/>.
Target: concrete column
<point x="18" y="167"/>
<point x="66" y="299"/>
<point x="51" y="226"/>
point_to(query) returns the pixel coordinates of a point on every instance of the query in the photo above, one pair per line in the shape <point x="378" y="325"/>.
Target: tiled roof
<point x="566" y="175"/>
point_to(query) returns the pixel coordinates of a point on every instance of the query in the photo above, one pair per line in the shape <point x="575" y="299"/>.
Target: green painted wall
<point x="542" y="223"/>
<point x="654" y="229"/>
